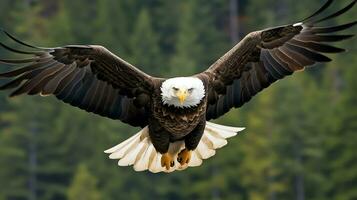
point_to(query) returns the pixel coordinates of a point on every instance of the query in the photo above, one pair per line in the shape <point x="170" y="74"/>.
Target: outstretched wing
<point x="263" y="57"/>
<point x="88" y="77"/>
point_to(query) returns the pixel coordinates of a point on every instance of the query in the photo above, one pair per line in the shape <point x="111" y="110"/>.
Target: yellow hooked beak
<point x="182" y="95"/>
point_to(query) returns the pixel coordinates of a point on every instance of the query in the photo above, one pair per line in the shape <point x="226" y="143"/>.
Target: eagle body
<point x="170" y="124"/>
<point x="174" y="113"/>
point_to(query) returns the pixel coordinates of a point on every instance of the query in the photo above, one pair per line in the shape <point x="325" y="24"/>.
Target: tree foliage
<point x="83" y="186"/>
<point x="300" y="140"/>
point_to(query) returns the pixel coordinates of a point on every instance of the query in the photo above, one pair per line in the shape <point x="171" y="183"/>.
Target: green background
<point x="301" y="136"/>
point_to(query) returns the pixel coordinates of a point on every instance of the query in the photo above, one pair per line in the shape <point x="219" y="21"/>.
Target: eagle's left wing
<point x="263" y="57"/>
<point x="89" y="77"/>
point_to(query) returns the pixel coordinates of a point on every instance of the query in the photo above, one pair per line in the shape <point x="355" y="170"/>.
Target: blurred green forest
<point x="301" y="136"/>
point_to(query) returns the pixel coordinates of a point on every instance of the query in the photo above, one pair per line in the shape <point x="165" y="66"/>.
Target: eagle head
<point x="182" y="92"/>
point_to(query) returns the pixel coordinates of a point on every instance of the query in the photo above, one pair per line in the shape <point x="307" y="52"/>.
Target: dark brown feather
<point x="332" y="29"/>
<point x="19" y="61"/>
<point x="39" y="86"/>
<point x="302" y="60"/>
<point x="292" y="63"/>
<point x="307" y="53"/>
<point x="66" y="81"/>
<point x="282" y="64"/>
<point x="100" y="107"/>
<point x="38" y="53"/>
<point x="336" y="14"/>
<point x="323" y="48"/>
<point x="21" y="42"/>
<point x="323" y="8"/>
<point x="263" y="57"/>
<point x="81" y="76"/>
<point x="27" y="68"/>
<point x="270" y="67"/>
<point x="323" y="38"/>
<point x="68" y="88"/>
<point x="52" y="84"/>
<point x="33" y="81"/>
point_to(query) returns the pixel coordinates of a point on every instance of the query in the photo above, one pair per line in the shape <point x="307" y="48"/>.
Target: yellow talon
<point x="167" y="161"/>
<point x="184" y="156"/>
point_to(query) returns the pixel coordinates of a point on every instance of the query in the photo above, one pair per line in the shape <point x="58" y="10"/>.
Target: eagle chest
<point x="178" y="121"/>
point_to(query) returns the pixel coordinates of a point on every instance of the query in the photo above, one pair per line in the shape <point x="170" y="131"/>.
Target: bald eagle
<point x="173" y="113"/>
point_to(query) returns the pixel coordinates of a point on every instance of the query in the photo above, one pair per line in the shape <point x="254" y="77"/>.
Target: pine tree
<point x="164" y="18"/>
<point x="83" y="186"/>
<point x="112" y="27"/>
<point x="258" y="169"/>
<point x="199" y="42"/>
<point x="17" y="137"/>
<point x="208" y="23"/>
<point x="185" y="62"/>
<point x="81" y="19"/>
<point x="341" y="157"/>
<point x="13" y="159"/>
<point x="60" y="27"/>
<point x="300" y="136"/>
<point x="340" y="127"/>
<point x="145" y="52"/>
<point x="299" y="141"/>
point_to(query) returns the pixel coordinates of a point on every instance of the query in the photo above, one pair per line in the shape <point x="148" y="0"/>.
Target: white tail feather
<point x="139" y="151"/>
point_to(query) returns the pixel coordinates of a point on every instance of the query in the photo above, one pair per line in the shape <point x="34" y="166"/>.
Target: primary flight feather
<point x="173" y="113"/>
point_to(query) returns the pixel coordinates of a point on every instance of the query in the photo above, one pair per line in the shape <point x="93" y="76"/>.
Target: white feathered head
<point x="182" y="92"/>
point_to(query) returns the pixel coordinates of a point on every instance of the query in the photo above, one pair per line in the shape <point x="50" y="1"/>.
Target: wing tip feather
<point x="336" y="14"/>
<point x="19" y="41"/>
<point x="319" y="11"/>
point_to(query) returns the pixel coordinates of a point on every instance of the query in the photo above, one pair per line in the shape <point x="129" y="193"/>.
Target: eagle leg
<point x="184" y="157"/>
<point x="167" y="161"/>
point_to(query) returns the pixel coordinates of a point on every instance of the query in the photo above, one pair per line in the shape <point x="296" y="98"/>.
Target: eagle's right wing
<point x="265" y="56"/>
<point x="88" y="77"/>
